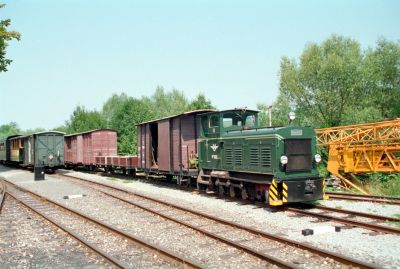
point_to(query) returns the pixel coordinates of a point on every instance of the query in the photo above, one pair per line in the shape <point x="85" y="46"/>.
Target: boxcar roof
<point x="10" y="136"/>
<point x="92" y="131"/>
<point x="235" y="109"/>
<point x="39" y="133"/>
<point x="199" y="111"/>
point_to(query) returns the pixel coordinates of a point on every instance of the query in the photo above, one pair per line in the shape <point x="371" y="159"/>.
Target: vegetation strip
<point x="185" y="262"/>
<point x="109" y="258"/>
<point x="304" y="246"/>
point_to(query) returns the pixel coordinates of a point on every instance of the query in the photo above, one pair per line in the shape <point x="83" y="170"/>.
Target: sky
<point x="81" y="52"/>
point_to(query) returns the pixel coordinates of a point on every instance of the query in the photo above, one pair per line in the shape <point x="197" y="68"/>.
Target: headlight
<point x="317" y="158"/>
<point x="292" y="116"/>
<point x="284" y="159"/>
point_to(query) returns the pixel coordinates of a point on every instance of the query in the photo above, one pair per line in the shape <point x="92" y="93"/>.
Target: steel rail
<point x="363" y="199"/>
<point x="357" y="213"/>
<point x="256" y="253"/>
<point x="2" y="193"/>
<point x="305" y="246"/>
<point x="186" y="263"/>
<point x="71" y="233"/>
<point x="369" y="226"/>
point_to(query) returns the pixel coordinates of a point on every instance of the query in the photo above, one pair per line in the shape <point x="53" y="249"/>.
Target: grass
<point x="383" y="184"/>
<point x="111" y="178"/>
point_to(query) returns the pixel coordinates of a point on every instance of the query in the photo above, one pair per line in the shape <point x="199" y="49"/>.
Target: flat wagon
<point x="168" y="146"/>
<point x="126" y="164"/>
<point x="81" y="149"/>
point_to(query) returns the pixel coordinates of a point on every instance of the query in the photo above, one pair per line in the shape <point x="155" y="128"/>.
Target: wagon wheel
<point x="169" y="178"/>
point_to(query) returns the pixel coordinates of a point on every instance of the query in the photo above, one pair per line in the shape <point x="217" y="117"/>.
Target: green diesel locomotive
<point x="276" y="164"/>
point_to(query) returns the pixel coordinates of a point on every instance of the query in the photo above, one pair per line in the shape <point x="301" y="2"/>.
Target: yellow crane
<point x="362" y="148"/>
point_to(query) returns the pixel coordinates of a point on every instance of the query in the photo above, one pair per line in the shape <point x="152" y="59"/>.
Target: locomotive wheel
<point x="201" y="187"/>
<point x="244" y="194"/>
<point x="221" y="190"/>
<point x="232" y="192"/>
<point x="266" y="196"/>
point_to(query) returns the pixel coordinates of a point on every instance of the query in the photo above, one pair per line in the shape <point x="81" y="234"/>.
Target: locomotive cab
<point x="218" y="123"/>
<point x="273" y="164"/>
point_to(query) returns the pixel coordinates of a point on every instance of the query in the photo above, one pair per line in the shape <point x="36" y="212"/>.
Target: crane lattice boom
<point x="362" y="148"/>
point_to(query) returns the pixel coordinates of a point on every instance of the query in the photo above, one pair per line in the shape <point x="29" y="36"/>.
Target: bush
<point x="383" y="183"/>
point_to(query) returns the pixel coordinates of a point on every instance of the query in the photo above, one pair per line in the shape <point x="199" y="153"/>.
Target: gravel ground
<point x="29" y="241"/>
<point x="356" y="242"/>
<point x="142" y="224"/>
<point x="279" y="250"/>
<point x="381" y="248"/>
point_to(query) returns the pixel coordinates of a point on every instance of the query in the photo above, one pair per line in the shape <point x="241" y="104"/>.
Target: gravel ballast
<point x="358" y="243"/>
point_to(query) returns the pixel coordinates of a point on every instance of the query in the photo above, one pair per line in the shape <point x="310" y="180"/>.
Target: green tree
<point x="166" y="104"/>
<point x="125" y="118"/>
<point x="200" y="102"/>
<point x="61" y="128"/>
<point x="382" y="76"/>
<point x="83" y="120"/>
<point x="33" y="130"/>
<point x="9" y="129"/>
<point x="6" y="36"/>
<point x="327" y="80"/>
<point x="111" y="105"/>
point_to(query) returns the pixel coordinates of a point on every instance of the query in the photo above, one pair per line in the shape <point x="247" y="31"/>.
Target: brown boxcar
<point x="83" y="148"/>
<point x="169" y="145"/>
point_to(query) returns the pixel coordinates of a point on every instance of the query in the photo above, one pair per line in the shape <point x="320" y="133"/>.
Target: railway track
<point x="348" y="218"/>
<point x="24" y="229"/>
<point x="364" y="198"/>
<point x="249" y="239"/>
<point x="118" y="248"/>
<point x="2" y="193"/>
<point x="367" y="223"/>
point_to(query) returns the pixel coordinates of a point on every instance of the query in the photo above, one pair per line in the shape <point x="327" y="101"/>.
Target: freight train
<point x="227" y="152"/>
<point x="222" y="151"/>
<point x="43" y="149"/>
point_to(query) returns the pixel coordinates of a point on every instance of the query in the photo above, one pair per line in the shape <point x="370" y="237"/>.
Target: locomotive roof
<point x="92" y="131"/>
<point x="198" y="111"/>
